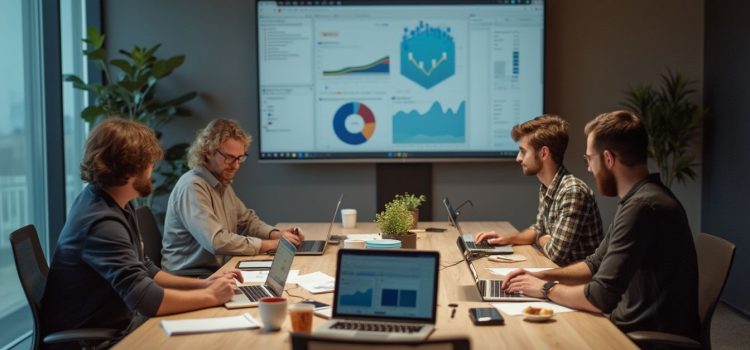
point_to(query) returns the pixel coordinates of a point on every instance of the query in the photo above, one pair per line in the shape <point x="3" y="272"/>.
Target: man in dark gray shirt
<point x="644" y="275"/>
<point x="99" y="277"/>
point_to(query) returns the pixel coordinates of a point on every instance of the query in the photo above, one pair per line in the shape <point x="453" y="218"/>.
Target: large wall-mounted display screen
<point x="397" y="80"/>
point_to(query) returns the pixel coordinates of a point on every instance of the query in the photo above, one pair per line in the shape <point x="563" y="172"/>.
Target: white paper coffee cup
<point x="349" y="218"/>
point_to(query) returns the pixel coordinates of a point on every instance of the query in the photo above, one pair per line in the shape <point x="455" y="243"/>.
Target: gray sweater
<point x="205" y="223"/>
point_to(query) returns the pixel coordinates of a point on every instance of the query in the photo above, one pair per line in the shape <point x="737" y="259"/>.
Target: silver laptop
<point x="489" y="290"/>
<point x="483" y="247"/>
<point x="384" y="295"/>
<point x="317" y="247"/>
<point x="248" y="296"/>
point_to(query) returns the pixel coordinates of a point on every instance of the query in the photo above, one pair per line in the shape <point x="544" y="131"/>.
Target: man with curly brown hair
<point x="206" y="222"/>
<point x="99" y="277"/>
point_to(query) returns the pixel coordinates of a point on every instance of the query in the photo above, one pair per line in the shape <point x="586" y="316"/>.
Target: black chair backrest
<point x="32" y="271"/>
<point x="301" y="341"/>
<point x="715" y="258"/>
<point x="150" y="234"/>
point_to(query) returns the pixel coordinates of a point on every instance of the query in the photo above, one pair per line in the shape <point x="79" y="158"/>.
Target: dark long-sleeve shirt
<point x="645" y="272"/>
<point x="99" y="277"/>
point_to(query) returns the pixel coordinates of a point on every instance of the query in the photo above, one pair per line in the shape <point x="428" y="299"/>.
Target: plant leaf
<point x="90" y="113"/>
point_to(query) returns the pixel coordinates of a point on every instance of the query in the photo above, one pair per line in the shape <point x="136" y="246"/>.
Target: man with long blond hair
<point x="99" y="277"/>
<point x="568" y="227"/>
<point x="206" y="222"/>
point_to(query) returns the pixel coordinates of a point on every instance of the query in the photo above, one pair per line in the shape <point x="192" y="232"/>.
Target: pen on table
<point x="453" y="307"/>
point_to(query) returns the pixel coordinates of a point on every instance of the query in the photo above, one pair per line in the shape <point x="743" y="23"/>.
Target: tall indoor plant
<point x="672" y="121"/>
<point x="128" y="91"/>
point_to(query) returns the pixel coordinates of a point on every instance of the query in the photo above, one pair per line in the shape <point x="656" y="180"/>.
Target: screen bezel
<point x="405" y="157"/>
<point x="388" y="252"/>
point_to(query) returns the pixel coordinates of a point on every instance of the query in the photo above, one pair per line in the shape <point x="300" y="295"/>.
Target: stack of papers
<point x="364" y="236"/>
<point x="316" y="282"/>
<point x="516" y="308"/>
<point x="214" y="324"/>
<point x="383" y="244"/>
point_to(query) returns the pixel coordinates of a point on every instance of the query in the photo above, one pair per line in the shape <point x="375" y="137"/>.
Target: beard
<point x="143" y="185"/>
<point x="227" y="176"/>
<point x="606" y="183"/>
<point x="532" y="168"/>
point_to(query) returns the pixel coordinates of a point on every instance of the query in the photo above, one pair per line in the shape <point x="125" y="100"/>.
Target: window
<point x="22" y="152"/>
<point x="72" y="31"/>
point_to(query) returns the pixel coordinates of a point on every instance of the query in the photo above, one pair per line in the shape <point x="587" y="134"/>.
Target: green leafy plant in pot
<point x="129" y="92"/>
<point x="672" y="121"/>
<point x="395" y="221"/>
<point x="412" y="203"/>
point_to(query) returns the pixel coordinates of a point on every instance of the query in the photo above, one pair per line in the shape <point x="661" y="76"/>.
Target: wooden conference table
<point x="571" y="330"/>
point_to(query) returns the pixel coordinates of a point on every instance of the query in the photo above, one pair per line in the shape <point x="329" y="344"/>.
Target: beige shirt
<point x="205" y="223"/>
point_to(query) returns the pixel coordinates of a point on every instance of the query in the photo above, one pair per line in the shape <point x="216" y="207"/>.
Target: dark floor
<point x="729" y="329"/>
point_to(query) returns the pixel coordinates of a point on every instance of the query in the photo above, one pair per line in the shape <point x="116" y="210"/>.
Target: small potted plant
<point x="395" y="221"/>
<point x="412" y="203"/>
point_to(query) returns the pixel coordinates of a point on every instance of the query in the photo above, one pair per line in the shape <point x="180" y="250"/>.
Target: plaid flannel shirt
<point x="569" y="214"/>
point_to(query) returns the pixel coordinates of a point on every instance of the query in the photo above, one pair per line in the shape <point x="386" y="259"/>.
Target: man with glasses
<point x="568" y="227"/>
<point x="644" y="275"/>
<point x="206" y="222"/>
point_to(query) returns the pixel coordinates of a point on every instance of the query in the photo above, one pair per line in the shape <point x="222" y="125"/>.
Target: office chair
<point x="302" y="341"/>
<point x="150" y="234"/>
<point x="715" y="257"/>
<point x="32" y="271"/>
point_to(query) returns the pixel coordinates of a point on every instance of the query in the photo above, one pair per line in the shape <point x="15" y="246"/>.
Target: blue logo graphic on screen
<point x="434" y="126"/>
<point x="380" y="286"/>
<point x="428" y="55"/>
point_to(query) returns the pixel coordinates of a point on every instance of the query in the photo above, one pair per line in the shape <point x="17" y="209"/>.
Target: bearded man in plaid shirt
<point x="568" y="227"/>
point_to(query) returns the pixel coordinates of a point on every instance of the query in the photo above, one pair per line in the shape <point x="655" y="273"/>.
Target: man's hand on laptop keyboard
<point x="294" y="235"/>
<point x="232" y="273"/>
<point x="493" y="238"/>
<point x="221" y="289"/>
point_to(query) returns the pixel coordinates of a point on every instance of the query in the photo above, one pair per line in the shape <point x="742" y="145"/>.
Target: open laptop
<point x="468" y="239"/>
<point x="317" y="247"/>
<point x="384" y="295"/>
<point x="248" y="296"/>
<point x="489" y="290"/>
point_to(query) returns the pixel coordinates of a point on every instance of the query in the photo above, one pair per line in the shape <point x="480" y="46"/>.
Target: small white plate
<point x="537" y="318"/>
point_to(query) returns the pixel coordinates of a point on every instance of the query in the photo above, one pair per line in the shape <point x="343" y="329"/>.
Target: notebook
<point x="248" y="296"/>
<point x="317" y="247"/>
<point x="384" y="295"/>
<point x="489" y="290"/>
<point x="468" y="239"/>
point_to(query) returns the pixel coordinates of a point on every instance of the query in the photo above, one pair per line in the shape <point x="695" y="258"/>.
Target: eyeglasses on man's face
<point x="231" y="159"/>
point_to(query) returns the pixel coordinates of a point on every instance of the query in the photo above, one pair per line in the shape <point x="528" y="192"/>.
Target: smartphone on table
<point x="481" y="316"/>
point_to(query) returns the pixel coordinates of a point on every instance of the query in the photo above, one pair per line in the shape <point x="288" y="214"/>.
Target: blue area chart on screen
<point x="436" y="125"/>
<point x="354" y="123"/>
<point x="357" y="298"/>
<point x="427" y="54"/>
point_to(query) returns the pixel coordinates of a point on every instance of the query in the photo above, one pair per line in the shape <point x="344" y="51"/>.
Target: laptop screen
<point x="388" y="284"/>
<point x="452" y="216"/>
<point x="282" y="263"/>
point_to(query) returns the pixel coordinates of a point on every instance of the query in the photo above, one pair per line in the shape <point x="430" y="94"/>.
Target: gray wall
<point x="595" y="49"/>
<point x="726" y="151"/>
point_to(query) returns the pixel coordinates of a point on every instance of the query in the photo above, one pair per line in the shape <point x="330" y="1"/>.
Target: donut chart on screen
<point x="339" y="123"/>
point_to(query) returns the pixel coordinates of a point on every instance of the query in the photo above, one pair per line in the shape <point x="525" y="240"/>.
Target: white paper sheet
<point x="502" y="271"/>
<point x="364" y="236"/>
<point x="213" y="324"/>
<point x="260" y="276"/>
<point x="516" y="308"/>
<point x="316" y="282"/>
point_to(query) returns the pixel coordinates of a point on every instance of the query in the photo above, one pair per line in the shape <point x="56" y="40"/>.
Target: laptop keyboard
<point x="254" y="293"/>
<point x="481" y="245"/>
<point x="376" y="327"/>
<point x="310" y="246"/>
<point x="495" y="289"/>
